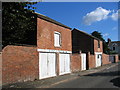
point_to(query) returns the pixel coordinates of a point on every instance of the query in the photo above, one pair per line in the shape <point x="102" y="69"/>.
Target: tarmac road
<point x="108" y="78"/>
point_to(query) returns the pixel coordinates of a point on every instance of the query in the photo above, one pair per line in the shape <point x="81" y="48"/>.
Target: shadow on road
<point x="112" y="73"/>
<point x="116" y="81"/>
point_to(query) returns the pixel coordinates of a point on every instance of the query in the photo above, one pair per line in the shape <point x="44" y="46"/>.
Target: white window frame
<point x="59" y="39"/>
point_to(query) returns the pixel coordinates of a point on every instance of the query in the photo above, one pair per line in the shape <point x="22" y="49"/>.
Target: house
<point x="54" y="46"/>
<point x="114" y="46"/>
<point x="89" y="45"/>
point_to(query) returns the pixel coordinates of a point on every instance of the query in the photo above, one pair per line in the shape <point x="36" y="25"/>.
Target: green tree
<point x="99" y="36"/>
<point x="18" y="23"/>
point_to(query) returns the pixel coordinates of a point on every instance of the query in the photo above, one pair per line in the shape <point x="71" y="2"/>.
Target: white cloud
<point x="106" y="34"/>
<point x="115" y="28"/>
<point x="96" y="15"/>
<point x="115" y="15"/>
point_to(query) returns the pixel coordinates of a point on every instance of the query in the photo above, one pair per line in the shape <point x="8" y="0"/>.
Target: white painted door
<point x="67" y="63"/>
<point x="64" y="64"/>
<point x="47" y="65"/>
<point x="61" y="64"/>
<point x="83" y="61"/>
<point x="98" y="60"/>
<point x="51" y="64"/>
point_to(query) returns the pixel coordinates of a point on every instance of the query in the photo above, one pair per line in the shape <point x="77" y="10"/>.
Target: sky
<point x="85" y="16"/>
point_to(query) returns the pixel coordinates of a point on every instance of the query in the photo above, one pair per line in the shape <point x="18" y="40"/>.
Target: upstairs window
<point x="57" y="39"/>
<point x="98" y="44"/>
<point x="114" y="45"/>
<point x="113" y="48"/>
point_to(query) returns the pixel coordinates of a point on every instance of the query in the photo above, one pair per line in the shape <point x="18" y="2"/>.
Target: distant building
<point x="114" y="46"/>
<point x="84" y="42"/>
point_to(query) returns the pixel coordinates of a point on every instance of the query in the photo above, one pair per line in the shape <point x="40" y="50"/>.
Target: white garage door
<point x="47" y="65"/>
<point x="98" y="60"/>
<point x="64" y="64"/>
<point x="83" y="61"/>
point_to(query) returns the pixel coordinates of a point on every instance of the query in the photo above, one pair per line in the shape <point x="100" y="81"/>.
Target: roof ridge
<point x="51" y="20"/>
<point x="88" y="34"/>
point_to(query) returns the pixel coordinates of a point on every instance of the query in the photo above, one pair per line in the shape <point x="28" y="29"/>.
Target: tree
<point x="18" y="23"/>
<point x="99" y="36"/>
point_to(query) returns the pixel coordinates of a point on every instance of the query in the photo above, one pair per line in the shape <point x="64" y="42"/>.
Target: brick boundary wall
<point x="19" y="64"/>
<point x="117" y="58"/>
<point x="75" y="62"/>
<point x="105" y="59"/>
<point x="91" y="60"/>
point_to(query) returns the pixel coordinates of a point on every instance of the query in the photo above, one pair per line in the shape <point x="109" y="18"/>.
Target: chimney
<point x="108" y="41"/>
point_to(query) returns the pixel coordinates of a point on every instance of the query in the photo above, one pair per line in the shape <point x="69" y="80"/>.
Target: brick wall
<point x="105" y="59"/>
<point x="45" y="36"/>
<point x="80" y="41"/>
<point x="75" y="62"/>
<point x="91" y="60"/>
<point x="96" y="49"/>
<point x="117" y="58"/>
<point x="19" y="63"/>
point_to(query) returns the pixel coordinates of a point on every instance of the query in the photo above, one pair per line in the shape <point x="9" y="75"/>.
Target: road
<point x="109" y="78"/>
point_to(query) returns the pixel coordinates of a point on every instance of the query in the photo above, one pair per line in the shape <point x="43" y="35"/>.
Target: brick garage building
<point x="54" y="46"/>
<point x="89" y="45"/>
<point x="50" y="57"/>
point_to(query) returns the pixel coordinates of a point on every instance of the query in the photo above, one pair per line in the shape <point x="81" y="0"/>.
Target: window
<point x="98" y="44"/>
<point x="113" y="48"/>
<point x="57" y="39"/>
<point x="97" y="56"/>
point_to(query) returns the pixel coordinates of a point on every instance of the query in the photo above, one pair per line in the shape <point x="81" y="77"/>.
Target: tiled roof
<point x="87" y="34"/>
<point x="51" y="20"/>
<point x="115" y="41"/>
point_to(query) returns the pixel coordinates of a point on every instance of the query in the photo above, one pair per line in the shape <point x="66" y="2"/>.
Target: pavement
<point x="46" y="83"/>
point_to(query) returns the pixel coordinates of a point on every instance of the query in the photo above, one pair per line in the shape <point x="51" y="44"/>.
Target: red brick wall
<point x="45" y="36"/>
<point x="96" y="49"/>
<point x="105" y="59"/>
<point x="19" y="63"/>
<point x="75" y="62"/>
<point x="117" y="58"/>
<point x="91" y="61"/>
<point x="80" y="41"/>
